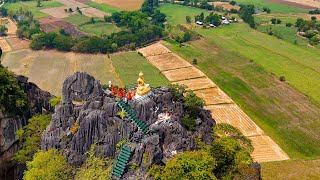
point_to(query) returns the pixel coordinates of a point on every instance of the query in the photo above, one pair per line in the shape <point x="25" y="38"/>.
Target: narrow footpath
<point x="223" y="108"/>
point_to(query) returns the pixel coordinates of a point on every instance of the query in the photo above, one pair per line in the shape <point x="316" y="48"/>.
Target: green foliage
<point x="246" y="13"/>
<point x="122" y="114"/>
<point x="193" y="103"/>
<point x="182" y="34"/>
<point x="134" y="166"/>
<point x="177" y="91"/>
<point x="231" y="150"/>
<point x="13" y="100"/>
<point x="49" y="165"/>
<point x="189" y="122"/>
<point x="188" y="165"/>
<point x="30" y="135"/>
<point x="74" y="129"/>
<point x="146" y="159"/>
<point x="3" y="30"/>
<point x="95" y="168"/>
<point x="121" y="143"/>
<point x="55" y="101"/>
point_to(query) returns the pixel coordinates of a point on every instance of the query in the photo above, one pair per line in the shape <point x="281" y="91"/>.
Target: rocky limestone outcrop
<point x="39" y="103"/>
<point x="99" y="123"/>
<point x="80" y="87"/>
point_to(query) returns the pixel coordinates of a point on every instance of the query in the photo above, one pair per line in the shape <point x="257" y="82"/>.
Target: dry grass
<point x="48" y="69"/>
<point x="18" y="44"/>
<point x="225" y="5"/>
<point x="4" y="45"/>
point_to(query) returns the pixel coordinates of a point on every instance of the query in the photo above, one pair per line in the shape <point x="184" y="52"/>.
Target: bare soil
<point x="225" y="5"/>
<point x="4" y="45"/>
<point x="124" y="4"/>
<point x="18" y="44"/>
<point x="52" y="24"/>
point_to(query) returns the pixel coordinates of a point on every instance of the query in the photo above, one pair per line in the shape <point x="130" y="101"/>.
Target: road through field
<point x="223" y="108"/>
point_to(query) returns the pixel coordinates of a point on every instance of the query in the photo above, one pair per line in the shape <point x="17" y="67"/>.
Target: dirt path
<point x="223" y="108"/>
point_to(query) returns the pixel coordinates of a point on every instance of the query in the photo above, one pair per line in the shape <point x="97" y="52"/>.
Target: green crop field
<point x="128" y="66"/>
<point x="176" y="14"/>
<point x="99" y="28"/>
<point x="288" y="34"/>
<point x="78" y="19"/>
<point x="272" y="6"/>
<point x="269" y="102"/>
<point x="32" y="6"/>
<point x="103" y="7"/>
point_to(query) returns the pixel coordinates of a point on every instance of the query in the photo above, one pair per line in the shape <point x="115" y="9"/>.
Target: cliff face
<point x="39" y="103"/>
<point x="96" y="114"/>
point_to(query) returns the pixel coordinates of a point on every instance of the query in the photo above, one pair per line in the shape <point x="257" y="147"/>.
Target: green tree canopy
<point x="12" y="98"/>
<point x="49" y="165"/>
<point x="30" y="135"/>
<point x="188" y="165"/>
<point x="95" y="168"/>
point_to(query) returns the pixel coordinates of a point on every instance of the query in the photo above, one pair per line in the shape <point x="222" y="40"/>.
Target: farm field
<point x="77" y="19"/>
<point x="128" y="65"/>
<point x="299" y="65"/>
<point x="307" y="4"/>
<point x="99" y="28"/>
<point x="31" y="6"/>
<point x="176" y="14"/>
<point x="274" y="7"/>
<point x="124" y="4"/>
<point x="291" y="169"/>
<point x="269" y="102"/>
<point x="103" y="7"/>
<point x="41" y="66"/>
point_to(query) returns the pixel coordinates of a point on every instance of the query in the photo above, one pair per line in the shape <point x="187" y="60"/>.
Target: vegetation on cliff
<point x="30" y="135"/>
<point x="13" y="100"/>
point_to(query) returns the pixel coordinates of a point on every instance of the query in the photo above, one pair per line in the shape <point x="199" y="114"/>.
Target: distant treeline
<point x="316" y="11"/>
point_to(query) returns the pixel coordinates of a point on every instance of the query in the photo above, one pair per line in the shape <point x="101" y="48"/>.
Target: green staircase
<point x="122" y="161"/>
<point x="132" y="117"/>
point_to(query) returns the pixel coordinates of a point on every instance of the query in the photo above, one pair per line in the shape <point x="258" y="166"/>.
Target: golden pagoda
<point x="142" y="88"/>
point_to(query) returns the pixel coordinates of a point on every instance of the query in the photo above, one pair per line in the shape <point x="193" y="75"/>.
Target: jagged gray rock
<point x="39" y="104"/>
<point x="99" y="123"/>
<point x="80" y="87"/>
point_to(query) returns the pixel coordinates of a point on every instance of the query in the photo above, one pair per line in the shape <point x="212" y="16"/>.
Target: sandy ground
<point x="223" y="109"/>
<point x="124" y="4"/>
<point x="4" y="45"/>
<point x="225" y="5"/>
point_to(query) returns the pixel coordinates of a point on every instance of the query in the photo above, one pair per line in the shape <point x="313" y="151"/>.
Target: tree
<point x="92" y="21"/>
<point x="278" y="21"/>
<point x="288" y="24"/>
<point x="274" y="21"/>
<point x="49" y="165"/>
<point x="313" y="18"/>
<point x="63" y="43"/>
<point x="233" y="3"/>
<point x="201" y="18"/>
<point x="95" y="168"/>
<point x="188" y="19"/>
<point x="55" y="101"/>
<point x="38" y="3"/>
<point x="188" y="165"/>
<point x="3" y="30"/>
<point x="3" y="12"/>
<point x="30" y="136"/>
<point x="13" y="101"/>
<point x="231" y="150"/>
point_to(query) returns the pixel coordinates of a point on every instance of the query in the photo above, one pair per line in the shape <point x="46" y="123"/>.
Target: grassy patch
<point x="99" y="28"/>
<point x="103" y="7"/>
<point x="78" y="19"/>
<point x="288" y="34"/>
<point x="176" y="14"/>
<point x="273" y="6"/>
<point x="299" y="169"/>
<point x="269" y="102"/>
<point x="32" y="6"/>
<point x="128" y="66"/>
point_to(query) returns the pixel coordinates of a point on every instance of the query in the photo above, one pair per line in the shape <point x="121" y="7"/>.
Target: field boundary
<point x="222" y="107"/>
